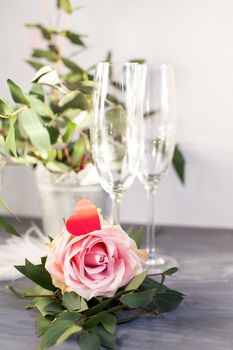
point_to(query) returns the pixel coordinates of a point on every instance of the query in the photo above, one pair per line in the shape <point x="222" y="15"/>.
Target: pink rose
<point x="94" y="264"/>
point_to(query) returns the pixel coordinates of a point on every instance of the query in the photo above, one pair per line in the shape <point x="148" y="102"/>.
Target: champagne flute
<point x="116" y="128"/>
<point x="158" y="149"/>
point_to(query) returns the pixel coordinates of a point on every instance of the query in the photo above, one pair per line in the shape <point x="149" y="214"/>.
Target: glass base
<point x="160" y="264"/>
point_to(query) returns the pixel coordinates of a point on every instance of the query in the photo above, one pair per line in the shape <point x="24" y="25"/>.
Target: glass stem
<point x="116" y="201"/>
<point x="150" y="230"/>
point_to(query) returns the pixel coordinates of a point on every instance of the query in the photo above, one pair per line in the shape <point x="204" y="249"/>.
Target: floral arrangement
<point x="91" y="280"/>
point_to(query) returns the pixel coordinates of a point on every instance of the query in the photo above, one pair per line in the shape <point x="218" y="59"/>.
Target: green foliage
<point x="8" y="227"/>
<point x="94" y="321"/>
<point x="178" y="162"/>
<point x="44" y="124"/>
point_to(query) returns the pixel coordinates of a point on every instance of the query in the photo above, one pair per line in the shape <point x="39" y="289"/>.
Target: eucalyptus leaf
<point x="35" y="64"/>
<point x="48" y="55"/>
<point x="178" y="163"/>
<point x="17" y="93"/>
<point x="71" y="126"/>
<point x="51" y="79"/>
<point x="10" y="139"/>
<point x="65" y="5"/>
<point x="57" y="167"/>
<point x="41" y="108"/>
<point x="79" y="149"/>
<point x="74" y="38"/>
<point x="54" y="134"/>
<point x="5" y="108"/>
<point x="72" y="65"/>
<point x="37" y="90"/>
<point x="42" y="71"/>
<point x="75" y="100"/>
<point x="36" y="132"/>
<point x="3" y="147"/>
<point x="8" y="227"/>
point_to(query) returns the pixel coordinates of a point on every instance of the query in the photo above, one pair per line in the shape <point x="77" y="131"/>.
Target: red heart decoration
<point x="86" y="219"/>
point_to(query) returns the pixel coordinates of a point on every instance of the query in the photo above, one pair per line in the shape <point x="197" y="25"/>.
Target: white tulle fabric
<point x="14" y="250"/>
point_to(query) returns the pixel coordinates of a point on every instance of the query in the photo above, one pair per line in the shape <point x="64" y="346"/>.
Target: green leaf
<point x="109" y="323"/>
<point x="57" y="167"/>
<point x="168" y="300"/>
<point x="116" y="119"/>
<point x="99" y="307"/>
<point x="3" y="147"/>
<point x="75" y="100"/>
<point x="138" y="60"/>
<point x="58" y="332"/>
<point x="150" y="283"/>
<point x="138" y="299"/>
<point x="38" y="274"/>
<point x="178" y="162"/>
<point x="70" y="316"/>
<point x="36" y="132"/>
<point x="71" y="126"/>
<point x="53" y="308"/>
<point x="53" y="133"/>
<point x="38" y="91"/>
<point x="71" y="301"/>
<point x="47" y="76"/>
<point x="51" y="79"/>
<point x="46" y="32"/>
<point x="79" y="149"/>
<point x="170" y="271"/>
<point x="41" y="302"/>
<point x="137" y="236"/>
<point x="74" y="38"/>
<point x="5" y="109"/>
<point x="40" y="107"/>
<point x="89" y="341"/>
<point x="108" y="340"/>
<point x="35" y="291"/>
<point x="94" y="320"/>
<point x="83" y="306"/>
<point x="42" y="71"/>
<point x="17" y="93"/>
<point x="48" y="55"/>
<point x="6" y="207"/>
<point x="72" y="65"/>
<point x="42" y="325"/>
<point x="65" y="5"/>
<point x="35" y="64"/>
<point x="136" y="281"/>
<point x="10" y="139"/>
<point x="8" y="227"/>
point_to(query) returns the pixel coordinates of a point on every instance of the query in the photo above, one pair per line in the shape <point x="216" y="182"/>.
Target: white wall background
<point x="196" y="36"/>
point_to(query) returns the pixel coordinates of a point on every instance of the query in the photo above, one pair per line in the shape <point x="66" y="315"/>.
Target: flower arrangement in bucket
<point x="47" y="127"/>
<point x="92" y="279"/>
